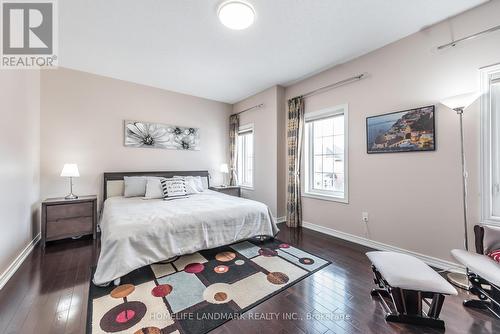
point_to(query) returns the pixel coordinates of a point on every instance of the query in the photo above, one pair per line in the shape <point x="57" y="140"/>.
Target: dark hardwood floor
<point x="49" y="294"/>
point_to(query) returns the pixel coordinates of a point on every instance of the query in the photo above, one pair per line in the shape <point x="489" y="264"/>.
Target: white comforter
<point x="137" y="232"/>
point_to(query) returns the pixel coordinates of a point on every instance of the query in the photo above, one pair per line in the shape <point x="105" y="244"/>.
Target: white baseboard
<point x="11" y="270"/>
<point x="280" y="219"/>
<point x="432" y="261"/>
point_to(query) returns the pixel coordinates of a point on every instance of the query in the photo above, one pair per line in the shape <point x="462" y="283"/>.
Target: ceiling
<point x="179" y="45"/>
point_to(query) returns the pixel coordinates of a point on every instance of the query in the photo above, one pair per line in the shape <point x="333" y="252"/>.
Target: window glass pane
<point x="250" y="144"/>
<point x="318" y="164"/>
<point x="338" y="163"/>
<point x="328" y="164"/>
<point x="495" y="149"/>
<point x="338" y="125"/>
<point x="318" y="179"/>
<point x="328" y="181"/>
<point x="249" y="176"/>
<point x="318" y="129"/>
<point x="338" y="183"/>
<point x="248" y="171"/>
<point x="249" y="159"/>
<point x="328" y="145"/>
<point x="326" y="127"/>
<point x="318" y="146"/>
<point x="240" y="159"/>
<point x="245" y="159"/>
<point x="339" y="144"/>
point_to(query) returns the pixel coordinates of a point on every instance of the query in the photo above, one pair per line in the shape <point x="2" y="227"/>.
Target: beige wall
<point x="265" y="121"/>
<point x="82" y="122"/>
<point x="413" y="199"/>
<point x="19" y="165"/>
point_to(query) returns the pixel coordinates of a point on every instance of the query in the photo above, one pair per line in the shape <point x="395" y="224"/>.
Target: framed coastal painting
<point x="164" y="136"/>
<point x="403" y="131"/>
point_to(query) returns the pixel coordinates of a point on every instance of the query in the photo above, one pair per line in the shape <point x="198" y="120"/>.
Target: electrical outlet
<point x="364" y="217"/>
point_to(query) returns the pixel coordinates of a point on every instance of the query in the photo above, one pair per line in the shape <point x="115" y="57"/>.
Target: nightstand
<point x="66" y="218"/>
<point x="229" y="190"/>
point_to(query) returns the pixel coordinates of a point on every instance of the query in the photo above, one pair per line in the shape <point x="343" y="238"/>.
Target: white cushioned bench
<point x="482" y="271"/>
<point x="409" y="273"/>
<point x="408" y="282"/>
<point x="482" y="265"/>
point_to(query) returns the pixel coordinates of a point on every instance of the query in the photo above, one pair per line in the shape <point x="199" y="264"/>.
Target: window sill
<point x="490" y="222"/>
<point x="326" y="198"/>
<point x="246" y="187"/>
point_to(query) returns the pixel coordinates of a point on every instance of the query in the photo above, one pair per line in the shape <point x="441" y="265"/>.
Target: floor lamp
<point x="459" y="103"/>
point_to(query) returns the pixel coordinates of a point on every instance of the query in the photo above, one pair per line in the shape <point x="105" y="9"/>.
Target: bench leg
<point x="409" y="306"/>
<point x="415" y="320"/>
<point x="483" y="305"/>
<point x="436" y="306"/>
<point x="376" y="292"/>
<point x="398" y="299"/>
<point x="413" y="302"/>
<point x="488" y="294"/>
<point x="474" y="303"/>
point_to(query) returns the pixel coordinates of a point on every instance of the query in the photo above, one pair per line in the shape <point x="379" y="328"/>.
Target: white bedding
<point x="137" y="232"/>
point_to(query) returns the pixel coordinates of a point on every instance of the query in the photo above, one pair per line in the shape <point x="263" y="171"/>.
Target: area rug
<point x="196" y="293"/>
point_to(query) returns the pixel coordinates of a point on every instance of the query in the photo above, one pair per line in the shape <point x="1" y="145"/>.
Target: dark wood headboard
<point x="117" y="176"/>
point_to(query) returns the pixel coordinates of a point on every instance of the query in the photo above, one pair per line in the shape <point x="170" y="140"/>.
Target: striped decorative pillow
<point x="173" y="188"/>
<point x="495" y="255"/>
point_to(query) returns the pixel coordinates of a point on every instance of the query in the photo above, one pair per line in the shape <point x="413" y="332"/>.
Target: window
<point x="490" y="144"/>
<point x="245" y="156"/>
<point x="326" y="154"/>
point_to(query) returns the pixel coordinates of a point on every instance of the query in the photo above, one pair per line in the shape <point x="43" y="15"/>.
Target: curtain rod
<point x="251" y="108"/>
<point x="444" y="46"/>
<point x="313" y="92"/>
<point x="335" y="85"/>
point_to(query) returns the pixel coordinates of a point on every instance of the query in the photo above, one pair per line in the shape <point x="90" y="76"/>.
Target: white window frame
<point x="487" y="187"/>
<point x="248" y="128"/>
<point x="308" y="161"/>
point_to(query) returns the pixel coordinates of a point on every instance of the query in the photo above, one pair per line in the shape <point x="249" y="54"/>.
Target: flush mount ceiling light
<point x="237" y="15"/>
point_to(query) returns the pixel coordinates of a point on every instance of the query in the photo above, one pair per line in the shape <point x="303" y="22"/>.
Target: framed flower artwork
<point x="164" y="136"/>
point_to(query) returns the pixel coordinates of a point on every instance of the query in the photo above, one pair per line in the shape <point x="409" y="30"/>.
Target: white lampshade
<point x="461" y="101"/>
<point x="70" y="170"/>
<point x="224" y="168"/>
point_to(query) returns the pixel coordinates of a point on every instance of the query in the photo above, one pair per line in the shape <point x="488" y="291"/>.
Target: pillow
<point x="173" y="188"/>
<point x="154" y="189"/>
<point x="495" y="255"/>
<point x="204" y="182"/>
<point x="193" y="183"/>
<point x="135" y="186"/>
<point x="191" y="187"/>
<point x="115" y="188"/>
<point x="491" y="240"/>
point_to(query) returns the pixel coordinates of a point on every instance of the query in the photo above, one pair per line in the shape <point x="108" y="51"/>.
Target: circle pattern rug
<point x="198" y="292"/>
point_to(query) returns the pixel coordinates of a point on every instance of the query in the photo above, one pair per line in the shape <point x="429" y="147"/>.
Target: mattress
<point x="136" y="232"/>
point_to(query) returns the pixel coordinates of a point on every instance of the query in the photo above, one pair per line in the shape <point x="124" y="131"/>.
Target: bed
<point x="136" y="232"/>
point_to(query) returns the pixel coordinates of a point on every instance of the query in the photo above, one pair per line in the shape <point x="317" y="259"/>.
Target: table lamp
<point x="224" y="169"/>
<point x="71" y="171"/>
